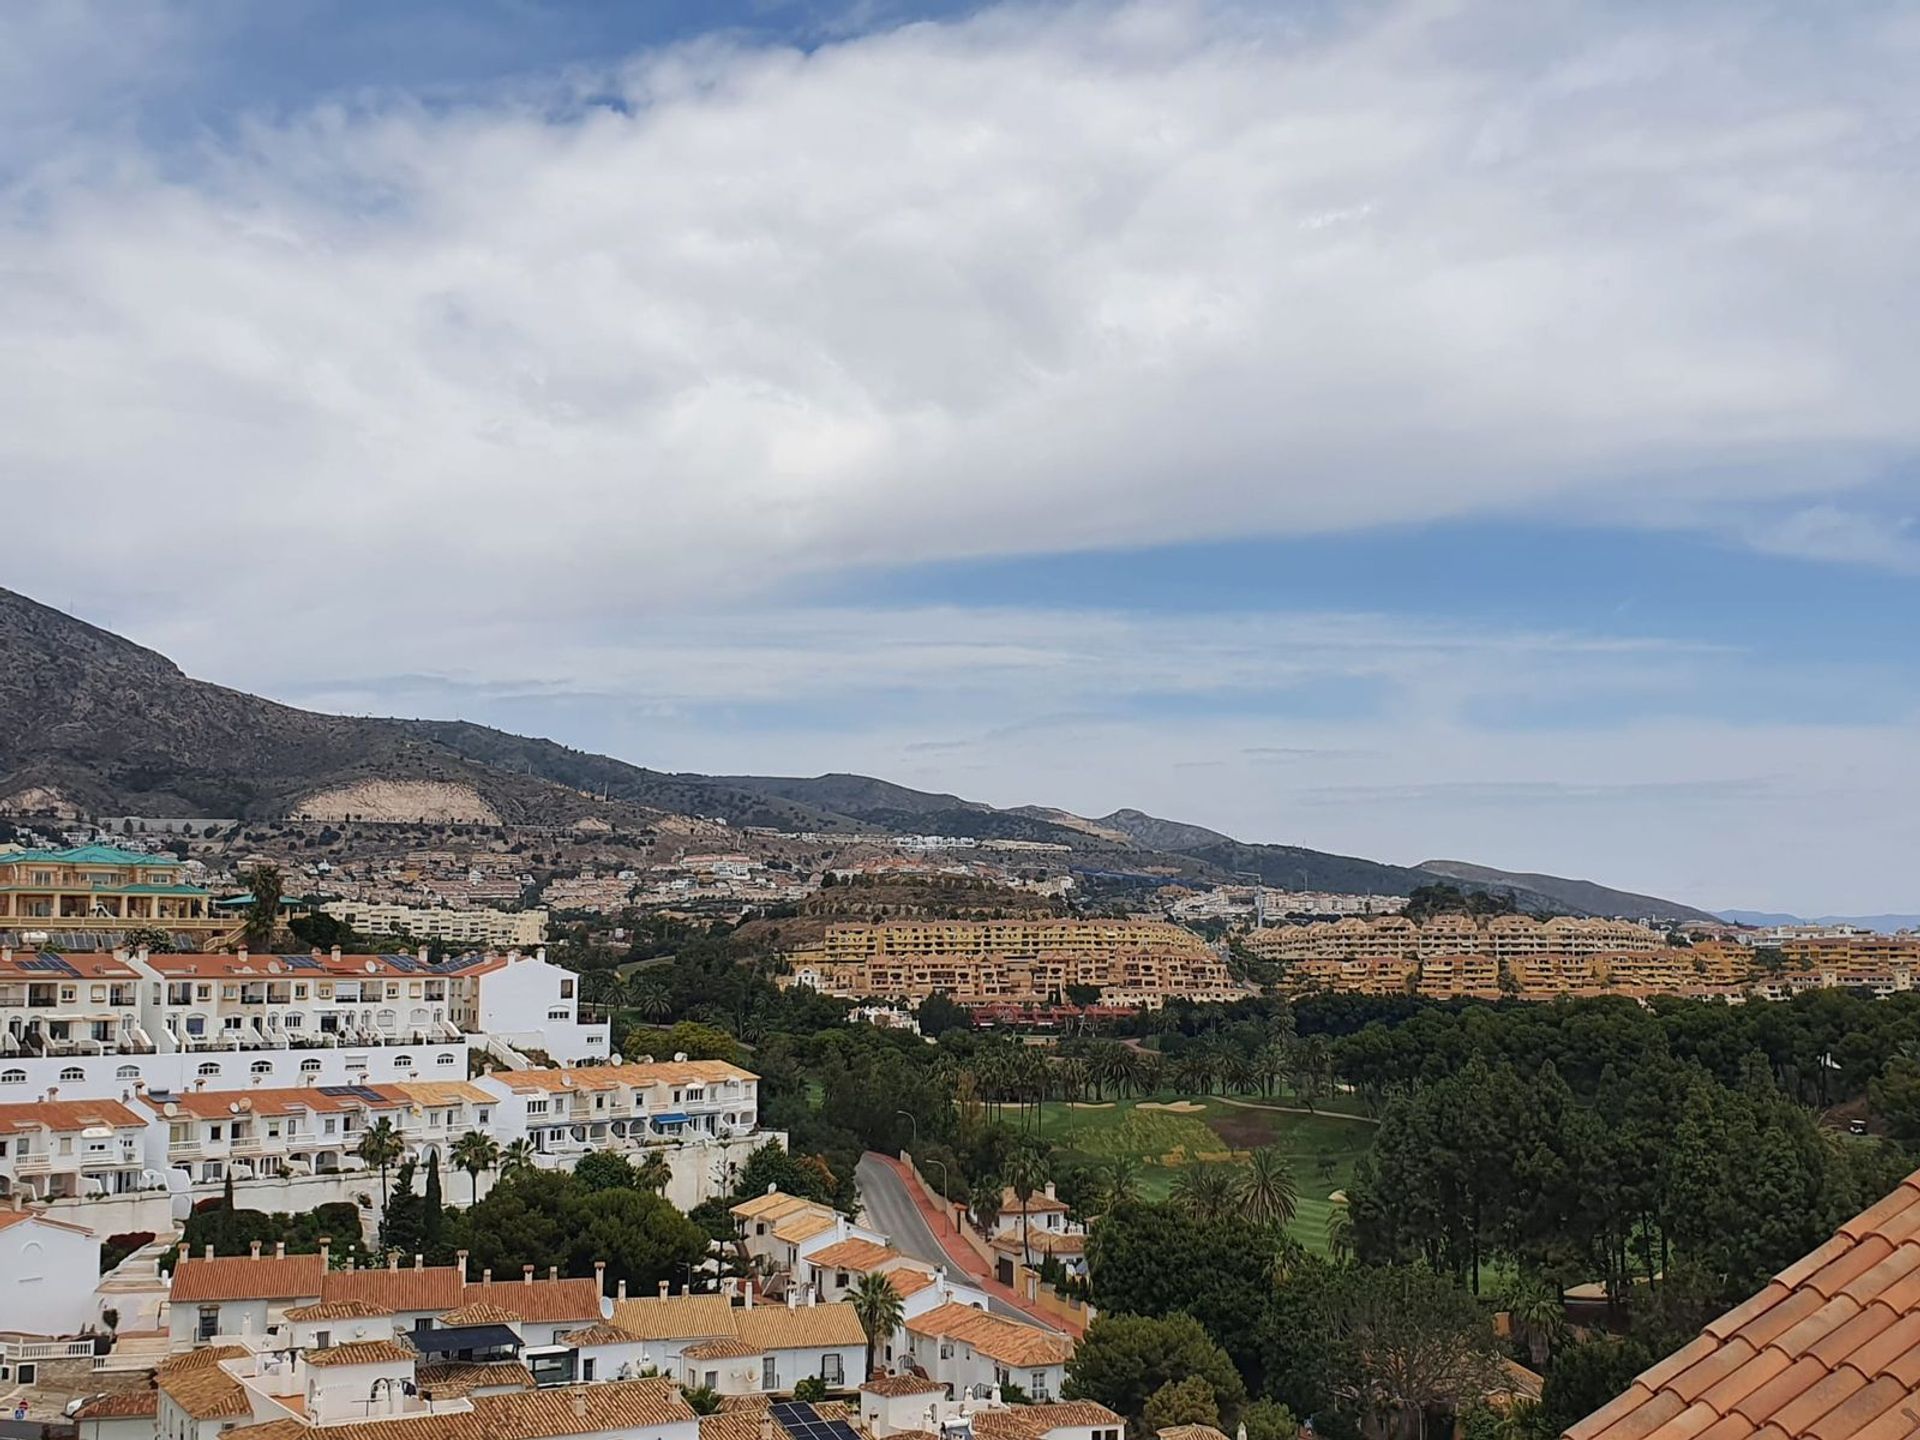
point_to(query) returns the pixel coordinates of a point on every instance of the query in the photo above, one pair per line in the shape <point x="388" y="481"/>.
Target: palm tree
<point x="1121" y="1182"/>
<point x="473" y="1152"/>
<point x="880" y="1310"/>
<point x="263" y="911"/>
<point x="1207" y="1192"/>
<point x="1539" y="1314"/>
<point x="653" y="1173"/>
<point x="984" y="1199"/>
<point x="381" y="1147"/>
<point x="1339" y="1227"/>
<point x="517" y="1158"/>
<point x="647" y="997"/>
<point x="599" y="987"/>
<point x="1026" y="1173"/>
<point x="1269" y="1193"/>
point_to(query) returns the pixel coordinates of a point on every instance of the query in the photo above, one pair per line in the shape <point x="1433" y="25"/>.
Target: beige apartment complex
<point x="1660" y="971"/>
<point x="1009" y="961"/>
<point x="492" y="928"/>
<point x="1503" y="938"/>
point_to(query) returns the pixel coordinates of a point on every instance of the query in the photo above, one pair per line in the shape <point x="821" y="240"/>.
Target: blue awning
<point x="676" y="1118"/>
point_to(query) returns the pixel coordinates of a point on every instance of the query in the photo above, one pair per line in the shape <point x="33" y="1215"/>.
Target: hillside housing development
<point x="1129" y="962"/>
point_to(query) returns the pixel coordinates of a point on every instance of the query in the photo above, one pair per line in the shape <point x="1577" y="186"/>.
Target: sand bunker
<point x="1176" y="1107"/>
<point x="1090" y="1104"/>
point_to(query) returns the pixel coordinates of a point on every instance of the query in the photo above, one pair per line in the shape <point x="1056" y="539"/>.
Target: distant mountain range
<point x="93" y="724"/>
<point x="1885" y="924"/>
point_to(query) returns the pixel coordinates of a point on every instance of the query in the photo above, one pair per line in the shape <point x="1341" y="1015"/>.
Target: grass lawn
<point x="1164" y="1143"/>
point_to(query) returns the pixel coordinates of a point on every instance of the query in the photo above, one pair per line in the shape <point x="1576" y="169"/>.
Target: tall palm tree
<point x="1120" y="1183"/>
<point x="880" y="1311"/>
<point x="1207" y="1192"/>
<point x="653" y="1173"/>
<point x="1539" y="1314"/>
<point x="1340" y="1228"/>
<point x="473" y="1152"/>
<point x="263" y="910"/>
<point x="517" y="1158"/>
<point x="1026" y="1173"/>
<point x="984" y="1199"/>
<point x="647" y="997"/>
<point x="1269" y="1193"/>
<point x="381" y="1147"/>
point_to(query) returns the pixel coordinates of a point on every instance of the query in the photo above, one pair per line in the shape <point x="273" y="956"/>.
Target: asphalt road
<point x="890" y="1209"/>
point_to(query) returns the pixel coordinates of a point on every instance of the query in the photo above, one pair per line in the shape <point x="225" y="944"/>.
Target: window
<point x="13" y="1077"/>
<point x="566" y="989"/>
<point x="830" y="1370"/>
<point x="309" y="1067"/>
<point x="261" y="1067"/>
<point x="127" y="1072"/>
<point x="556" y="1014"/>
<point x="586" y="1368"/>
<point x="209" y="1322"/>
<point x="73" y="1072"/>
<point x="322" y="1339"/>
<point x="769" y="1377"/>
<point x="447" y="1059"/>
<point x="403" y="1062"/>
<point x="385" y="1020"/>
<point x="208" y="1068"/>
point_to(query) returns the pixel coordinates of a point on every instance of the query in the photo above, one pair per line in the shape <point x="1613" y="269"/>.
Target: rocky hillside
<point x="93" y="724"/>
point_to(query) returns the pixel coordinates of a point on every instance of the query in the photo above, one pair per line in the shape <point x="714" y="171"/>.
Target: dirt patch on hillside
<point x="402" y="801"/>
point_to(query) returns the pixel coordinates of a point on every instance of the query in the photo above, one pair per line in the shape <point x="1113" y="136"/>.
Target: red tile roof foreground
<point x="1829" y="1350"/>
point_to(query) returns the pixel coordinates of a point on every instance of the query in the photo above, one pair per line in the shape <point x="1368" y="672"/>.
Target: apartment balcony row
<point x="272" y="1037"/>
<point x="32" y="1040"/>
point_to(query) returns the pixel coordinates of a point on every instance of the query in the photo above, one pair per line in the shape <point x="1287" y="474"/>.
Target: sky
<point x="1412" y="428"/>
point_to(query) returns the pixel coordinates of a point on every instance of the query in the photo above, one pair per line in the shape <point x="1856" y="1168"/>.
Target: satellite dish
<point x="567" y="1081"/>
<point x="170" y="1109"/>
<point x="273" y="967"/>
<point x="372" y="969"/>
<point x="616" y="1059"/>
<point x="233" y="1107"/>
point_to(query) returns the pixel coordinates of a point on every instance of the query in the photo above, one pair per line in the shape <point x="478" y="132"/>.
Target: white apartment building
<point x="495" y="929"/>
<point x="243" y="1001"/>
<point x="571" y="1110"/>
<point x="69" y="1005"/>
<point x="527" y="1002"/>
<point x="53" y="1148"/>
<point x="967" y="1348"/>
<point x="734" y="1345"/>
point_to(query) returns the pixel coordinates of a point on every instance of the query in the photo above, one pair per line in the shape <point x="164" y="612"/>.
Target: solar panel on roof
<point x="336" y="1089"/>
<point x="301" y="962"/>
<point x="802" y="1421"/>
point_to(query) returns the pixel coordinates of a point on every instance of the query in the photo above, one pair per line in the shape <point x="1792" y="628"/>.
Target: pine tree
<point x="432" y="1218"/>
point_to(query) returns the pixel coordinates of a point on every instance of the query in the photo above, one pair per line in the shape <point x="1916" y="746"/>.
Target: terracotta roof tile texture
<point x="1828" y="1350"/>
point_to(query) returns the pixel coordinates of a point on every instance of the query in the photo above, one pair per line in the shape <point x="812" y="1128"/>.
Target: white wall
<point x="522" y="1002"/>
<point x="47" y="1276"/>
<point x="102" y="1076"/>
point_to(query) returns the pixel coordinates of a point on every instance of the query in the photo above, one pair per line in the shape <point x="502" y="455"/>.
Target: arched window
<point x="72" y="1072"/>
<point x="403" y="1062"/>
<point x="127" y="1072"/>
<point x="309" y="1067"/>
<point x="13" y="1077"/>
<point x="207" y="1069"/>
<point x="385" y="1020"/>
<point x="261" y="1067"/>
<point x="448" y="1058"/>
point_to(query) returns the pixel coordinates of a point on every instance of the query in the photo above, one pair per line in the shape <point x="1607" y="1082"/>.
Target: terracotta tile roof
<point x="432" y="1287"/>
<point x="1829" y="1350"/>
<point x="20" y="1217"/>
<point x="206" y="1392"/>
<point x="610" y="1077"/>
<point x="445" y="1092"/>
<point x="200" y="1358"/>
<point x="479" y="1313"/>
<point x="909" y="1282"/>
<point x="92" y="964"/>
<point x="543" y="1300"/>
<point x="1007" y="1341"/>
<point x="600" y="1334"/>
<point x="241" y="1277"/>
<point x="321" y="964"/>
<point x="456" y="1378"/>
<point x="775" y="1205"/>
<point x="1042" y="1242"/>
<point x="1038" y="1203"/>
<point x="733" y="1425"/>
<point x="126" y="1405"/>
<point x="612" y="1405"/>
<point x="835" y="1410"/>
<point x="804" y="1227"/>
<point x="1030" y="1422"/>
<point x="68" y="1115"/>
<point x="727" y="1347"/>
<point x="853" y="1254"/>
<point x="778" y="1327"/>
<point x="675" y="1317"/>
<point x="1190" y="1432"/>
<point x="892" y="1385"/>
<point x="339" y="1310"/>
<point x="273" y="1100"/>
<point x="363" y="1352"/>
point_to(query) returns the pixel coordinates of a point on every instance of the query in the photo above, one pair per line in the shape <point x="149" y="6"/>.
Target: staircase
<point x="136" y="1288"/>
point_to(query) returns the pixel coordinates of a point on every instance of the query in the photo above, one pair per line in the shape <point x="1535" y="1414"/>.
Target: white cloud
<point x="1039" y="280"/>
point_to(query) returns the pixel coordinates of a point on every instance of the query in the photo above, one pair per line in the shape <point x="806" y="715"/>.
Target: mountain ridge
<point x="94" y="723"/>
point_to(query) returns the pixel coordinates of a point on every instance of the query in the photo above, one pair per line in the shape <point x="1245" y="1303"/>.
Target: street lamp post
<point x="943" y="1187"/>
<point x="914" y="1121"/>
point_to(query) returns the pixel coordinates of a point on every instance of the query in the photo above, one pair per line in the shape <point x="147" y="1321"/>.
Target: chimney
<point x="813" y="1296"/>
<point x="580" y="1404"/>
<point x="209" y="1254"/>
<point x="393" y="1261"/>
<point x="486" y="1276"/>
<point x="685" y="1290"/>
<point x="336" y="953"/>
<point x="600" y="1277"/>
<point x="279" y="1249"/>
<point x="1050" y="1194"/>
<point x="663" y="1289"/>
<point x="526" y="1274"/>
<point x="748" y="1289"/>
<point x="793" y="1297"/>
<point x="424" y="953"/>
<point x="621" y="1293"/>
<point x="325" y="1243"/>
<point x="419" y="1262"/>
<point x="350" y="1265"/>
<point x="553" y="1272"/>
<point x="460" y="1259"/>
<point x="53" y="1093"/>
<point x="766" y="1425"/>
